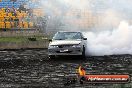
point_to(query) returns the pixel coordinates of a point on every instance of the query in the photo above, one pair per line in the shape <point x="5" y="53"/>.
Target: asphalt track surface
<point x="31" y="68"/>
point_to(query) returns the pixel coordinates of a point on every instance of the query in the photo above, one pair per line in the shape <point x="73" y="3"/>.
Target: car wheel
<point x="52" y="57"/>
<point x="83" y="53"/>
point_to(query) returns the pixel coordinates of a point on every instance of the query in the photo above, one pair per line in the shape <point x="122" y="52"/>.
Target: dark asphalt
<point x="31" y="68"/>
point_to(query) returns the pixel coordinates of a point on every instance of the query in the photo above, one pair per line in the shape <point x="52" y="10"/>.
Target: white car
<point x="67" y="43"/>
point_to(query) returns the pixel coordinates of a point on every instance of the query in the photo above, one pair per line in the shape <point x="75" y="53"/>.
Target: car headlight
<point x="76" y="46"/>
<point x="53" y="46"/>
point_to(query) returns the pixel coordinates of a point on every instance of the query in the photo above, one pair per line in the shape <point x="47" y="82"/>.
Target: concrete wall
<point x="19" y="32"/>
<point x="34" y="44"/>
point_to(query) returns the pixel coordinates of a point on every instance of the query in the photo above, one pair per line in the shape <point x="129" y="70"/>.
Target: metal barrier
<point x="19" y="32"/>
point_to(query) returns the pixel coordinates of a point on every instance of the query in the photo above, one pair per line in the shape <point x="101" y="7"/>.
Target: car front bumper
<point x="65" y="51"/>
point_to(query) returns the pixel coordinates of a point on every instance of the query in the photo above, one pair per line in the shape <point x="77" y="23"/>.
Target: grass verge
<point x="22" y="39"/>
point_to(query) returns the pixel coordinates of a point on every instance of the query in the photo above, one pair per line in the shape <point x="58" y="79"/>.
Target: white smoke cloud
<point x="77" y="4"/>
<point x="117" y="41"/>
<point x="109" y="35"/>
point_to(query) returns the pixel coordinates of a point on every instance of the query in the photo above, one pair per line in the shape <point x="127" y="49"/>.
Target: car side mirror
<point x="84" y="38"/>
<point x="50" y="40"/>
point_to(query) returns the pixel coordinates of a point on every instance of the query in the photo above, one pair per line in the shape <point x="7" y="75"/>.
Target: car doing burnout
<point x="67" y="43"/>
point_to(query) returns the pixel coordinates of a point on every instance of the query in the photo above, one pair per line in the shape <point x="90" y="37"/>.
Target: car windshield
<point x="67" y="36"/>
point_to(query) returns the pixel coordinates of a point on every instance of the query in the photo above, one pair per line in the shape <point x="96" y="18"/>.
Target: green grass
<point x="21" y="39"/>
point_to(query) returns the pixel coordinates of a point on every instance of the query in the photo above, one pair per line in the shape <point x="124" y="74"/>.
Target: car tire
<point x="52" y="57"/>
<point x="83" y="53"/>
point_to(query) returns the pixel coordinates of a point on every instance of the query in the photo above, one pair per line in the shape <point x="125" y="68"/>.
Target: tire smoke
<point x="117" y="41"/>
<point x="106" y="23"/>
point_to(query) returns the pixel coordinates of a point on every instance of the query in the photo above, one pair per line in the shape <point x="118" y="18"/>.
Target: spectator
<point x="21" y="8"/>
<point x="7" y="9"/>
<point x="16" y="21"/>
<point x="13" y="11"/>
